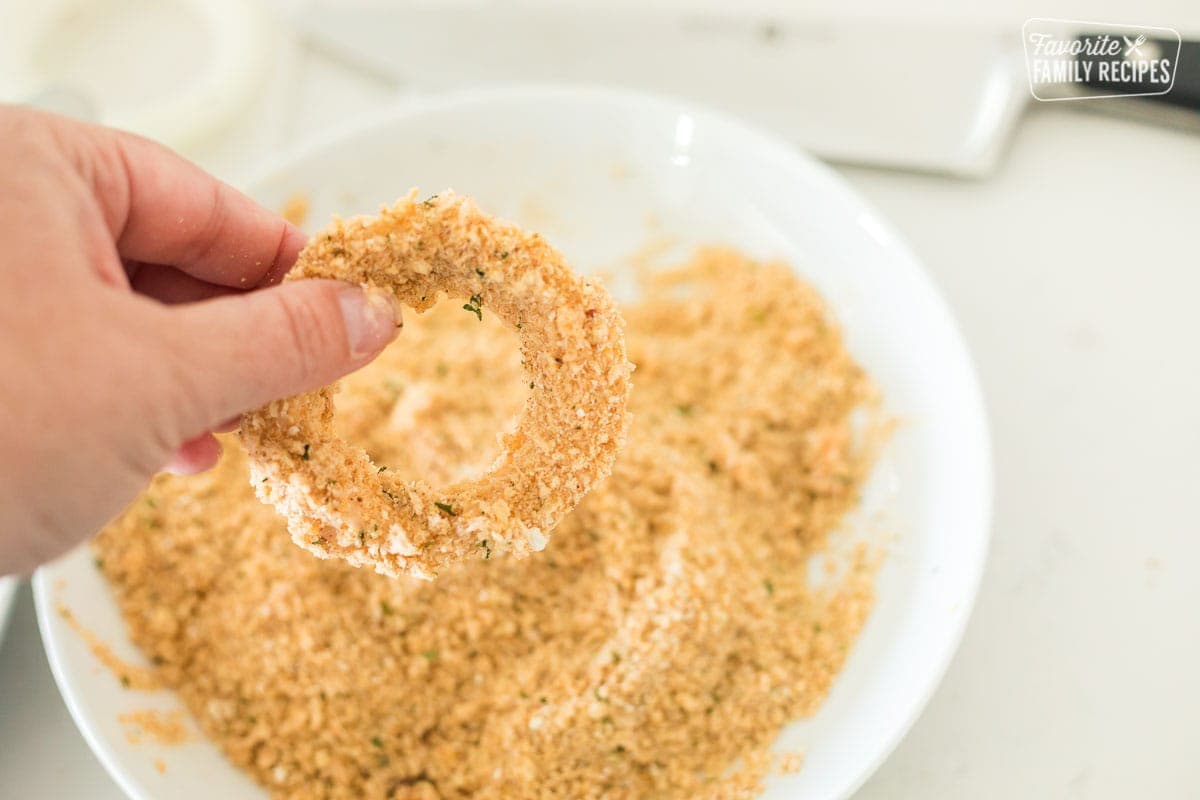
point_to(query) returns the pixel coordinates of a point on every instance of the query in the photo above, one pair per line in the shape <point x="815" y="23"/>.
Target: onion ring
<point x="339" y="504"/>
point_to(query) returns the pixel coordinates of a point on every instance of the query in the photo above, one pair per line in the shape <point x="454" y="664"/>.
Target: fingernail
<point x="372" y="318"/>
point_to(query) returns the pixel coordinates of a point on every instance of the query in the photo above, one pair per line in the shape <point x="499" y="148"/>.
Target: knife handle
<point x="1184" y="93"/>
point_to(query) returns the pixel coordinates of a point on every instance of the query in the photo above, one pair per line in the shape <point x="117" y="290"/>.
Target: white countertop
<point x="1073" y="275"/>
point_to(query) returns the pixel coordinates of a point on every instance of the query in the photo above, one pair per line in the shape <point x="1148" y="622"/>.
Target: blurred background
<point x="1063" y="235"/>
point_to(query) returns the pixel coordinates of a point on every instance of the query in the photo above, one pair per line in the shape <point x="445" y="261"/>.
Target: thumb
<point x="239" y="352"/>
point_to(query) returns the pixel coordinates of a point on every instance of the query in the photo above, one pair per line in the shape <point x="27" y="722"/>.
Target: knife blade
<point x="908" y="97"/>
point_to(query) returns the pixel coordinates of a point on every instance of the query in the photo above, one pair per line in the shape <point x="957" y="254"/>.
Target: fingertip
<point x="291" y="242"/>
<point x="194" y="456"/>
<point x="170" y="211"/>
<point x="372" y="317"/>
<point x="255" y="347"/>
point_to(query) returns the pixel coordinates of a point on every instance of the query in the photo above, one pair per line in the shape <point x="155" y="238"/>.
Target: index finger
<point x="166" y="210"/>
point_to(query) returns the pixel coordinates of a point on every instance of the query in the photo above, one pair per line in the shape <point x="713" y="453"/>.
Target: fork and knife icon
<point x="1134" y="46"/>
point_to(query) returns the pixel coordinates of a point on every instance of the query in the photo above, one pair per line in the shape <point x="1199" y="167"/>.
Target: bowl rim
<point x="776" y="149"/>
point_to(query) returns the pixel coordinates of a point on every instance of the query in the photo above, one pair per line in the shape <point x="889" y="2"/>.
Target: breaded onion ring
<point x="339" y="504"/>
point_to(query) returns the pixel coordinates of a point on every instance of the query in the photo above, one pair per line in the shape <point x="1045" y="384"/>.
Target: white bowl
<point x="601" y="172"/>
<point x="8" y="593"/>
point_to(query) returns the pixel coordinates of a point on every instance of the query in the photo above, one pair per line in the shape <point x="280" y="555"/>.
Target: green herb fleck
<point x="487" y="550"/>
<point x="382" y="469"/>
<point x="449" y="509"/>
<point x="385" y="609"/>
<point x="150" y="501"/>
<point x="616" y="657"/>
<point x="430" y="655"/>
<point x="442" y="369"/>
<point x="480" y="272"/>
<point x="375" y="740"/>
<point x="428" y="202"/>
<point x="685" y="409"/>
<point x="503" y="254"/>
<point x="475" y="306"/>
<point x="125" y="681"/>
<point x="770" y="587"/>
<point x="307" y="449"/>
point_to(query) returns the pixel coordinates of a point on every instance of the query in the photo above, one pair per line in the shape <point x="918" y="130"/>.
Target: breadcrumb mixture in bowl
<point x="654" y="649"/>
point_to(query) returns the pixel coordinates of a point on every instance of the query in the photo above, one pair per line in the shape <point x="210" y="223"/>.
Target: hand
<point x="136" y="321"/>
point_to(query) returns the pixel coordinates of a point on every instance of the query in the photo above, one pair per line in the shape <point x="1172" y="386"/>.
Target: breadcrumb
<point x="654" y="650"/>
<point x="131" y="676"/>
<point x="295" y="210"/>
<point x="158" y="727"/>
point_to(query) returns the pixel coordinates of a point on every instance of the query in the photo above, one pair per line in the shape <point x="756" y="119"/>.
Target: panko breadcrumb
<point x="654" y="650"/>
<point x="338" y="502"/>
<point x="157" y="727"/>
